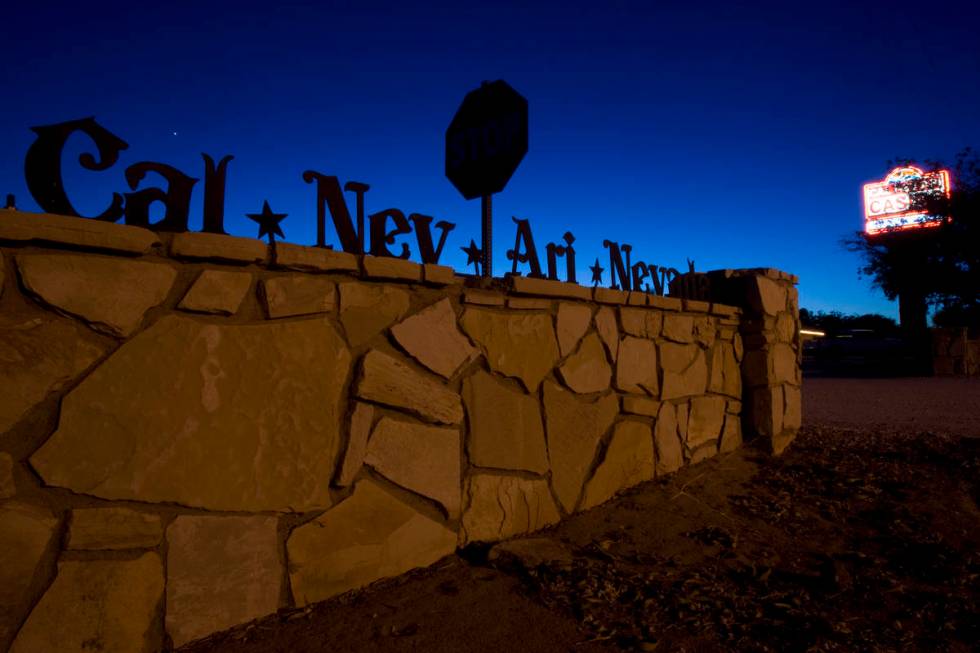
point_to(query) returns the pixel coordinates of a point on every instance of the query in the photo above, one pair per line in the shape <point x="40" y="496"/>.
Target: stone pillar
<point x="770" y="332"/>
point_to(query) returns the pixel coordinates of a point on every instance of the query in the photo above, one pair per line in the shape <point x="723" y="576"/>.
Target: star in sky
<point x="596" y="273"/>
<point x="268" y="222"/>
<point x="474" y="256"/>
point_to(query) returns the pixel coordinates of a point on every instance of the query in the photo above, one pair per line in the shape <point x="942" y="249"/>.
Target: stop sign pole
<point x="485" y="142"/>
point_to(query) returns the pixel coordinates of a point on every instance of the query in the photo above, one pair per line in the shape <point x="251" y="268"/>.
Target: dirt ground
<point x="863" y="536"/>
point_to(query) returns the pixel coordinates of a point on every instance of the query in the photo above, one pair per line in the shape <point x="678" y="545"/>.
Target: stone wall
<point x="954" y="353"/>
<point x="198" y="430"/>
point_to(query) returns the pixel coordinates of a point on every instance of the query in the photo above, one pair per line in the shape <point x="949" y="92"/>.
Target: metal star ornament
<point x="268" y="222"/>
<point x="596" y="273"/>
<point x="474" y="256"/>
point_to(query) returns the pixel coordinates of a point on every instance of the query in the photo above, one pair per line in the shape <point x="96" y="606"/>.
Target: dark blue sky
<point x="738" y="136"/>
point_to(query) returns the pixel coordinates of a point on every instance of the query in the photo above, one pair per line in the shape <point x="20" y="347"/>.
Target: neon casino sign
<point x="900" y="202"/>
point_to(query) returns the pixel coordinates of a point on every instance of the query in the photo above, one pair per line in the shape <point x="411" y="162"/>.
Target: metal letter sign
<point x="485" y="143"/>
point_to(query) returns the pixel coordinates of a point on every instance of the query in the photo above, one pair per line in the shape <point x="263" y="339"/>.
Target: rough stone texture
<point x="113" y="528"/>
<point x="316" y="259"/>
<point x="529" y="303"/>
<point x="665" y="303"/>
<point x="766" y="296"/>
<point x="3" y="273"/>
<point x="111" y="294"/>
<point x="530" y="553"/>
<point x="7" y="486"/>
<point x="683" y="411"/>
<point x="256" y="429"/>
<point x="792" y="408"/>
<point x="361" y="422"/>
<point x="609" y="295"/>
<point x="432" y="338"/>
<point x="628" y="461"/>
<point x="385" y="267"/>
<point x="217" y="292"/>
<point x="726" y="377"/>
<point x="97" y="605"/>
<point x="669" y="455"/>
<point x="587" y="371"/>
<point x="298" y="294"/>
<point x="219" y="247"/>
<point x="26" y="532"/>
<point x="389" y="381"/>
<point x="573" y="320"/>
<point x="704" y="452"/>
<point x="705" y="421"/>
<point x="19" y="226"/>
<point x="640" y="405"/>
<point x="731" y="436"/>
<point x="636" y="368"/>
<point x="678" y="328"/>
<point x="640" y="322"/>
<point x="423" y="459"/>
<point x="368" y="309"/>
<point x="506" y="431"/>
<point x="704" y="331"/>
<point x="441" y="275"/>
<point x="605" y="322"/>
<point x="739" y="347"/>
<point x="521" y="345"/>
<point x="574" y="428"/>
<point x="785" y="327"/>
<point x="685" y="370"/>
<point x="221" y="571"/>
<point x="766" y="411"/>
<point x="38" y="356"/>
<point x="784" y="364"/>
<point x="482" y="297"/>
<point x="499" y="506"/>
<point x="368" y="536"/>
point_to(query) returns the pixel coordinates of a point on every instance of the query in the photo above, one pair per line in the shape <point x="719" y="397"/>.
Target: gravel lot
<point x="948" y="405"/>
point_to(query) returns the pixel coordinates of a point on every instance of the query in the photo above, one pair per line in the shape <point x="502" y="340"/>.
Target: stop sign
<point x="486" y="139"/>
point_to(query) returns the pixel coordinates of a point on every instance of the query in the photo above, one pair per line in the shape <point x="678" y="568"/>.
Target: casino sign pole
<point x="485" y="142"/>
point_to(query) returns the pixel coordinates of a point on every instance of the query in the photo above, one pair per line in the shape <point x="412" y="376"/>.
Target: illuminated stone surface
<point x="386" y="267"/>
<point x="605" y="322"/>
<point x="784" y="365"/>
<point x="368" y="536"/>
<point x="24" y="227"/>
<point x="587" y="371"/>
<point x="218" y="247"/>
<point x="25" y="532"/>
<point x="97" y="605"/>
<point x="257" y="425"/>
<point x="39" y="356"/>
<point x="640" y="405"/>
<point x="298" y="294"/>
<point x="792" y="408"/>
<point x="704" y="452"/>
<point x="739" y="347"/>
<point x="432" y="338"/>
<point x="636" y="367"/>
<point x="7" y="487"/>
<point x="668" y="446"/>
<point x="628" y="462"/>
<point x="111" y="294"/>
<point x="221" y="571"/>
<point x="368" y="309"/>
<point x="499" y="506"/>
<point x="767" y="411"/>
<point x="726" y="377"/>
<point x="685" y="370"/>
<point x="678" y="328"/>
<point x="423" y="459"/>
<point x="705" y="420"/>
<point x="641" y="323"/>
<point x="389" y="381"/>
<point x="113" y="528"/>
<point x="574" y="427"/>
<point x="573" y="320"/>
<point x="523" y="345"/>
<point x="361" y="421"/>
<point x="785" y="327"/>
<point x="731" y="436"/>
<point x="704" y="331"/>
<point x="765" y="295"/>
<point x="299" y="257"/>
<point x="217" y="291"/>
<point x="506" y="430"/>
